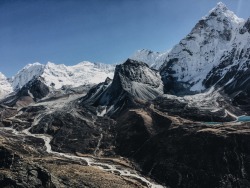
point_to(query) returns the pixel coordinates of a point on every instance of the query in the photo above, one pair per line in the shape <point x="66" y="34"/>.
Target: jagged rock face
<point x="246" y="27"/>
<point x="231" y="68"/>
<point x="32" y="91"/>
<point x="26" y="175"/>
<point x="137" y="79"/>
<point x="66" y="128"/>
<point x="36" y="89"/>
<point x="242" y="101"/>
<point x="210" y="54"/>
<point x="239" y="90"/>
<point x="194" y="113"/>
<point x="133" y="80"/>
<point x="95" y="92"/>
<point x="232" y="74"/>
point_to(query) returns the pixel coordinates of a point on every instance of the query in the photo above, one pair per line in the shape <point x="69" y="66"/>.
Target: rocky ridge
<point x="133" y="80"/>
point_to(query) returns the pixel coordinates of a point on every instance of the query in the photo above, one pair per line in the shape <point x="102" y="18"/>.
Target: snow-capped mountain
<point x="26" y="74"/>
<point x="216" y="46"/>
<point x="5" y="86"/>
<point x="58" y="75"/>
<point x="153" y="59"/>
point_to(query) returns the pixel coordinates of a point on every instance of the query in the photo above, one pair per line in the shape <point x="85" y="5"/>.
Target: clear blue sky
<point x="108" y="31"/>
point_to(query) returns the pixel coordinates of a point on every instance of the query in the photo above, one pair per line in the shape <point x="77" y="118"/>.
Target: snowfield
<point x="58" y="75"/>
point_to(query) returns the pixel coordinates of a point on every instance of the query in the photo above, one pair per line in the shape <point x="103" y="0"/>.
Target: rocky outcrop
<point x="16" y="172"/>
<point x="239" y="90"/>
<point x="137" y="126"/>
<point x="196" y="112"/>
<point x="31" y="92"/>
<point x="77" y="131"/>
<point x="95" y="92"/>
<point x="132" y="81"/>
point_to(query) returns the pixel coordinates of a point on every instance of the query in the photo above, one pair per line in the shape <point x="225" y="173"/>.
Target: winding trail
<point x="112" y="168"/>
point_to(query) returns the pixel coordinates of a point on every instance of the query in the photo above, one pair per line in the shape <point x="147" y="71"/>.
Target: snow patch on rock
<point x="153" y="59"/>
<point x="5" y="86"/>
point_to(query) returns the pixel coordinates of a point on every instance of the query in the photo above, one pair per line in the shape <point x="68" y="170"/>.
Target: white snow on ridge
<point x="5" y="86"/>
<point x="229" y="14"/>
<point x="80" y="74"/>
<point x="26" y="74"/>
<point x="153" y="59"/>
<point x="203" y="101"/>
<point x="212" y="39"/>
<point x="210" y="42"/>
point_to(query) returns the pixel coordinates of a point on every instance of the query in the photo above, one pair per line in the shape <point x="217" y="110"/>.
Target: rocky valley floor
<point x="57" y="142"/>
<point x="26" y="162"/>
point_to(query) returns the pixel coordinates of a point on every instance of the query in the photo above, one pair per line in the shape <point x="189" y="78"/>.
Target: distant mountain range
<point x="56" y="76"/>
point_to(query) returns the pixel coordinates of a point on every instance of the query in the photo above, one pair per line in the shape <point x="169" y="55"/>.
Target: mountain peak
<point x="131" y="61"/>
<point x="49" y="63"/>
<point x="221" y="6"/>
<point x="221" y="10"/>
<point x="85" y="63"/>
<point x="2" y="75"/>
<point x="132" y="80"/>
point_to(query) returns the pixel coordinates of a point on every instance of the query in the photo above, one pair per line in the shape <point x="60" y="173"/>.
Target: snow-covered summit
<point x="5" y="86"/>
<point x="26" y="74"/>
<point x="58" y="75"/>
<point x="221" y="9"/>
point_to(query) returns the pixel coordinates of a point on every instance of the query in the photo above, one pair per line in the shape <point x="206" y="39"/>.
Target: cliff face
<point x="133" y="81"/>
<point x="198" y="156"/>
